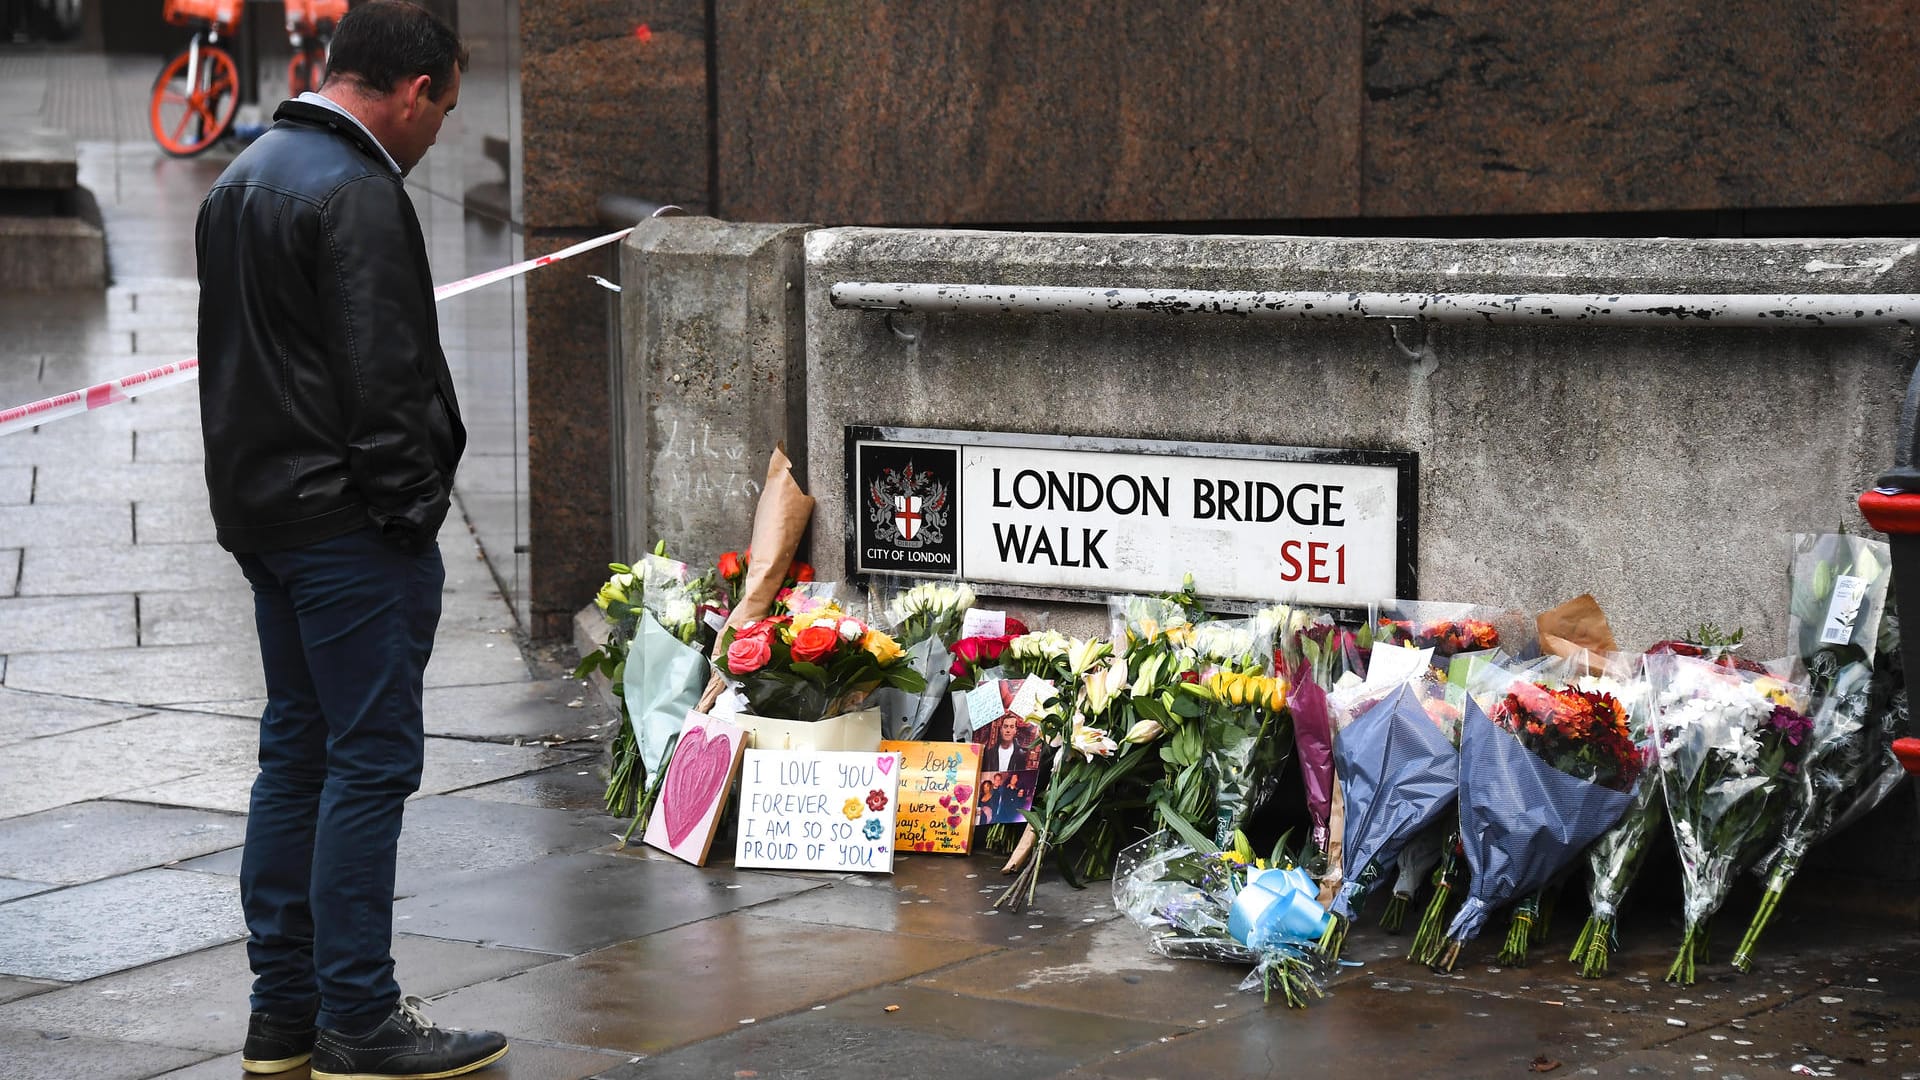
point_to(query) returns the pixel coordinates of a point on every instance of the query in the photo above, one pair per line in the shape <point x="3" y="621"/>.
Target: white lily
<point x="1091" y="741"/>
<point x="1144" y="732"/>
<point x="1106" y="684"/>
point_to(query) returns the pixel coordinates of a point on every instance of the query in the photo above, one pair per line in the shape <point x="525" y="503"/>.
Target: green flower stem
<point x="1395" y="916"/>
<point x="1520" y="932"/>
<point x="1449" y="955"/>
<point x="1682" y="971"/>
<point x="1335" y="937"/>
<point x="1591" y="950"/>
<point x="1743" y="956"/>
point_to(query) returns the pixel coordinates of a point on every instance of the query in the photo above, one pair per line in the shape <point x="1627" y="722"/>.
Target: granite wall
<point x="1136" y="112"/>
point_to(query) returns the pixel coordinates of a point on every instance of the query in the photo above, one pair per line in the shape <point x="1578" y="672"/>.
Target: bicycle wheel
<point x="305" y="70"/>
<point x="186" y="120"/>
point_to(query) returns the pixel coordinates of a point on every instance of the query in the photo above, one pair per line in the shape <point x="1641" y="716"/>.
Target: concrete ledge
<point x="46" y="254"/>
<point x="37" y="159"/>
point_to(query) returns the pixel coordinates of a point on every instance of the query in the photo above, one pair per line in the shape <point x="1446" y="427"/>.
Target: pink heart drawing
<point x="694" y="778"/>
<point x="953" y="822"/>
<point x="886" y="765"/>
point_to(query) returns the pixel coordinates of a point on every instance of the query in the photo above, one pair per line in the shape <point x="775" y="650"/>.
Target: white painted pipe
<point x="1610" y="309"/>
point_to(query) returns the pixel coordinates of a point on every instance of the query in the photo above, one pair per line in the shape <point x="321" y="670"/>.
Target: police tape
<point x="98" y="396"/>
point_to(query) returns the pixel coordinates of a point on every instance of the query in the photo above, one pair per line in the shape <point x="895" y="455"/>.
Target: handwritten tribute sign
<point x="1070" y="516"/>
<point x="818" y="810"/>
<point x="937" y="785"/>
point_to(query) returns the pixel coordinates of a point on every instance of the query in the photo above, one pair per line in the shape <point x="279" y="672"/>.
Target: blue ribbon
<point x="1277" y="907"/>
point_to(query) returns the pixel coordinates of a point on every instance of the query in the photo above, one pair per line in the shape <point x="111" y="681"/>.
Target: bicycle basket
<point x="224" y="15"/>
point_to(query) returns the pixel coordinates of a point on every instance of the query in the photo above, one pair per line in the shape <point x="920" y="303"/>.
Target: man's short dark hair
<point x="382" y="42"/>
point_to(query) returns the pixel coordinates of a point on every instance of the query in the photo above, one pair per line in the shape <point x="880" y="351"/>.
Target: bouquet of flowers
<point x="1088" y="762"/>
<point x="1247" y="744"/>
<point x="1201" y="902"/>
<point x="1839" y="593"/>
<point x="974" y="656"/>
<point x="732" y="570"/>
<point x="1542" y="776"/>
<point x="652" y="659"/>
<point x="1722" y="738"/>
<point x="1447" y="629"/>
<point x="1320" y="653"/>
<point x="1398" y="773"/>
<point x="1613" y="862"/>
<point x="812" y="666"/>
<point x="926" y="620"/>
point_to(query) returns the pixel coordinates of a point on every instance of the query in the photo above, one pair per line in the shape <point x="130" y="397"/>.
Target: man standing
<point x="332" y="435"/>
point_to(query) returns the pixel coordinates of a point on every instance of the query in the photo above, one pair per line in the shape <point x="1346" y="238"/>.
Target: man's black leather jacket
<point x="325" y="401"/>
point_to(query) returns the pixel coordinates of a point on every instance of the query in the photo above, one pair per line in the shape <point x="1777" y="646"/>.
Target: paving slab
<point x="199" y="1001"/>
<point x="470" y="658"/>
<point x="14" y="888"/>
<point x="10" y="572"/>
<point x="446" y="838"/>
<point x="527" y="711"/>
<point x="124" y="922"/>
<point x="60" y="526"/>
<point x="13" y="988"/>
<point x="525" y="1060"/>
<point x="1374" y="1032"/>
<point x="169" y="446"/>
<point x="928" y="1035"/>
<point x="64" y="623"/>
<point x="721" y="972"/>
<point x="94" y="762"/>
<point x="88" y="841"/>
<point x="1106" y="969"/>
<point x="577" y="903"/>
<point x="76" y="570"/>
<point x="40" y="447"/>
<point x="578" y="786"/>
<point x="175" y="521"/>
<point x="16" y="485"/>
<point x="207" y="617"/>
<point x="34" y="1055"/>
<point x="76" y="483"/>
<point x="1866" y="1017"/>
<point x="37" y="158"/>
<point x="152" y="675"/>
<point x="30" y="716"/>
<point x="949" y="897"/>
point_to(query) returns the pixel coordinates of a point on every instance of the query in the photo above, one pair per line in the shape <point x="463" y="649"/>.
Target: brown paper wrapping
<point x="1578" y="631"/>
<point x="778" y="523"/>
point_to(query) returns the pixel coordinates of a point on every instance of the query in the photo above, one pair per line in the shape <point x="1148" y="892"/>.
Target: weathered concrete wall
<point x="1657" y="468"/>
<point x="712" y="378"/>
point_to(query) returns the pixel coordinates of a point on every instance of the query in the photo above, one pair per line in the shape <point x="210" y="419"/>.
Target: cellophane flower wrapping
<point x="1888" y="720"/>
<point x="1249" y="736"/>
<point x="1316" y="655"/>
<point x="1839" y="600"/>
<point x="1184" y="899"/>
<point x="925" y="618"/>
<point x="1398" y="772"/>
<point x="1614" y="859"/>
<point x="1723" y="738"/>
<point x="1523" y="817"/>
<point x="1446" y="628"/>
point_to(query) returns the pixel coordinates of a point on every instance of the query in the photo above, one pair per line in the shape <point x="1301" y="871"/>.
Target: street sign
<point x="1073" y="517"/>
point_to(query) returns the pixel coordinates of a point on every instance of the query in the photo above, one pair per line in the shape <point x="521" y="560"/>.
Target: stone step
<point x="36" y="158"/>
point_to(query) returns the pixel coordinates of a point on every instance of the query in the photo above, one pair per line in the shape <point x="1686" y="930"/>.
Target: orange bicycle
<point x="195" y="97"/>
<point x="197" y="92"/>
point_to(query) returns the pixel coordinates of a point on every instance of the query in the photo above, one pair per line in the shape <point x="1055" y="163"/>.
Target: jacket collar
<point x="308" y="113"/>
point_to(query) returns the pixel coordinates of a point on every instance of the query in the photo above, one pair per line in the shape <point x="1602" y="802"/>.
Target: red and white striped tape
<point x="100" y="395"/>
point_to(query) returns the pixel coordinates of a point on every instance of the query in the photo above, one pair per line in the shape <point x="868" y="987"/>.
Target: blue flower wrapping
<point x="1398" y="772"/>
<point x="1521" y="819"/>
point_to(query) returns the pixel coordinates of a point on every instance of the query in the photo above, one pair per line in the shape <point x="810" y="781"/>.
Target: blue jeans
<point x="346" y="626"/>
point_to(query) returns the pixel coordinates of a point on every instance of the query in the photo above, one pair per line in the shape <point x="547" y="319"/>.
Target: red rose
<point x="814" y="642"/>
<point x="748" y="654"/>
<point x="800" y="571"/>
<point x="1015" y="628"/>
<point x="760" y="628"/>
<point x="730" y="567"/>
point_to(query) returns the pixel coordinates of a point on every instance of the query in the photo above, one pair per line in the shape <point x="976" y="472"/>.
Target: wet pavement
<point x="129" y="692"/>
